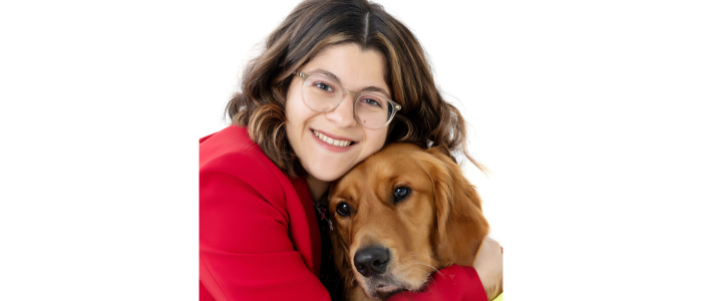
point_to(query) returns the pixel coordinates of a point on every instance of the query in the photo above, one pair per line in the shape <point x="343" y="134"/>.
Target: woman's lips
<point x="331" y="142"/>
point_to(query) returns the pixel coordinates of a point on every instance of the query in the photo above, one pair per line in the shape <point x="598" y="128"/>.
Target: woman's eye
<point x="401" y="193"/>
<point x="343" y="209"/>
<point x="372" y="102"/>
<point x="324" y="86"/>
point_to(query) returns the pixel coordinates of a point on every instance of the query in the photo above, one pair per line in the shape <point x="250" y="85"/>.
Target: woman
<point x="336" y="82"/>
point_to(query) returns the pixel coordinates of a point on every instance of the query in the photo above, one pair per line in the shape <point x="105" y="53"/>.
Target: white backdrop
<point x="587" y="115"/>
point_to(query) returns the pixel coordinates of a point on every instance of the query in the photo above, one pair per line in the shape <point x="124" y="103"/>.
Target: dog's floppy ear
<point x="461" y="226"/>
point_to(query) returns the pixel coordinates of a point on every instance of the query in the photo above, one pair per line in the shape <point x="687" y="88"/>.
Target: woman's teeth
<point x="334" y="142"/>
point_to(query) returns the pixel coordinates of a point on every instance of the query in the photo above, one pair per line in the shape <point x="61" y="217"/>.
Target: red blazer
<point x="259" y="237"/>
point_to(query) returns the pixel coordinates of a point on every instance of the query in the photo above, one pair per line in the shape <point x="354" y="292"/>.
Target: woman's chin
<point x="326" y="172"/>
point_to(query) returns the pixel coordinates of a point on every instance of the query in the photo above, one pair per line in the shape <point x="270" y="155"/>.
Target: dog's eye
<point x="343" y="209"/>
<point x="401" y="193"/>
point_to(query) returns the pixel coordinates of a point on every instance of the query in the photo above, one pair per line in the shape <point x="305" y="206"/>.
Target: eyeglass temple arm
<point x="300" y="74"/>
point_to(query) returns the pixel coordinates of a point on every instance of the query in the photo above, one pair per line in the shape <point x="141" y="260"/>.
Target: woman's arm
<point x="464" y="282"/>
<point x="450" y="283"/>
<point x="245" y="251"/>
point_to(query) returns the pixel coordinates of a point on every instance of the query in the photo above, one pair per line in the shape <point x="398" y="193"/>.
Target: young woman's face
<point x="356" y="70"/>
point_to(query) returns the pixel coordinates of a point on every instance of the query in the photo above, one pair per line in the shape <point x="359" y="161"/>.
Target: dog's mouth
<point x="383" y="289"/>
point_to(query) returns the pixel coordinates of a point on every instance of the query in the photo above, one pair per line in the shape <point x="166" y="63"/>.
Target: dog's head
<point x="401" y="215"/>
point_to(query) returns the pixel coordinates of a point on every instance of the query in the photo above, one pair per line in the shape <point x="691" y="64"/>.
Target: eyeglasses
<point x="323" y="94"/>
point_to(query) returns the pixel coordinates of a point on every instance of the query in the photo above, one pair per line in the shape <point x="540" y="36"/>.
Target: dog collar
<point x="323" y="213"/>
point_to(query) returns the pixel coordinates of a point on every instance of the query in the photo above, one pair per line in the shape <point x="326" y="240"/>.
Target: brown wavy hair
<point x="426" y="119"/>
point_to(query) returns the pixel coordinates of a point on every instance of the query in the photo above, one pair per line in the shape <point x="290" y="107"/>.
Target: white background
<point x="587" y="114"/>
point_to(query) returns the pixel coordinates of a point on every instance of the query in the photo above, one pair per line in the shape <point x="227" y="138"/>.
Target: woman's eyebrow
<point x="334" y="77"/>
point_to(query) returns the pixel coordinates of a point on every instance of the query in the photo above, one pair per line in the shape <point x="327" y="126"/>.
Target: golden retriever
<point x="401" y="215"/>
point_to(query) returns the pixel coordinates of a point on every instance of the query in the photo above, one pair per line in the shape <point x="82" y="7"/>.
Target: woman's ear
<point x="461" y="225"/>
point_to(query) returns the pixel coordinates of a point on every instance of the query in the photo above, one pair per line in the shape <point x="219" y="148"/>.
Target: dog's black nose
<point x="371" y="261"/>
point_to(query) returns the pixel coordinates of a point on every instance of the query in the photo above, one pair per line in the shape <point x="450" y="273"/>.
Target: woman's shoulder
<point x="232" y="153"/>
<point x="230" y="145"/>
<point x="233" y="138"/>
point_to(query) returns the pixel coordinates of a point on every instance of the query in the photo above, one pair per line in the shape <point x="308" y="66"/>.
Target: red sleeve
<point x="451" y="283"/>
<point x="245" y="251"/>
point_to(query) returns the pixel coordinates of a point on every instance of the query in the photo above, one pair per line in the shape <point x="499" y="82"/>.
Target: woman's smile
<point x="332" y="142"/>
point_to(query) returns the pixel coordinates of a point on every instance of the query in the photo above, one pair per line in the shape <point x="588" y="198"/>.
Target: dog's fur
<point x="439" y="223"/>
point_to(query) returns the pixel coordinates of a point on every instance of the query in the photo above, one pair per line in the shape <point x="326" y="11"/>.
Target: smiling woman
<point x="336" y="82"/>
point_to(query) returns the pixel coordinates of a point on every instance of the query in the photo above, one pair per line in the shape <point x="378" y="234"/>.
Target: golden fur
<point x="438" y="224"/>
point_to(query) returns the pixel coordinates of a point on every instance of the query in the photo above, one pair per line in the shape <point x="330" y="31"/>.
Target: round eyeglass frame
<point x="395" y="106"/>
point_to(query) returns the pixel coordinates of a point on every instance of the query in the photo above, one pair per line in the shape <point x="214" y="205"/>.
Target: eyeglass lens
<point x="322" y="94"/>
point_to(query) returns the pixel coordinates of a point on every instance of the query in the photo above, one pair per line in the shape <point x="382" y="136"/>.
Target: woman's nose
<point x="343" y="116"/>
